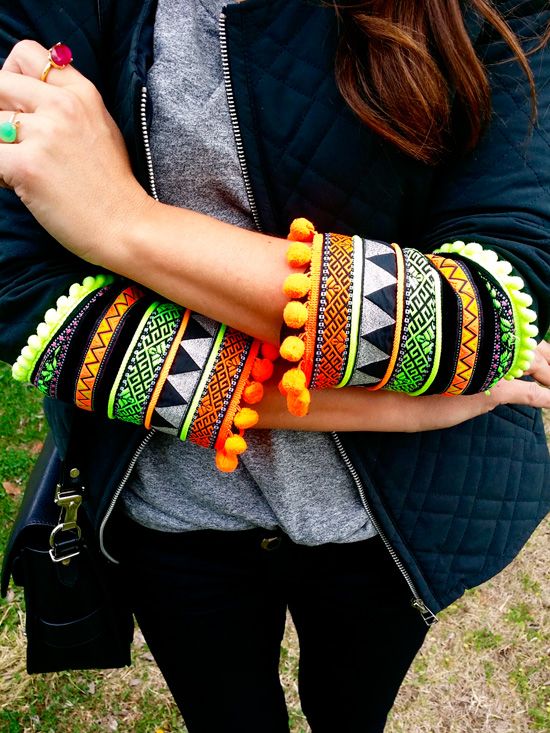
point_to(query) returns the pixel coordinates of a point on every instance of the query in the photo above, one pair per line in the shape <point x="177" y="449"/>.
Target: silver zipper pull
<point x="429" y="618"/>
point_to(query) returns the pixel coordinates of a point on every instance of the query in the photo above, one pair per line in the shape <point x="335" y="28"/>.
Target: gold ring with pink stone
<point x="59" y="56"/>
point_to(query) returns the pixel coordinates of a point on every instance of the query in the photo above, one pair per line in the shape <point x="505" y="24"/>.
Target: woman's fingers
<point x="520" y="392"/>
<point x="25" y="93"/>
<point x="540" y="367"/>
<point x="30" y="58"/>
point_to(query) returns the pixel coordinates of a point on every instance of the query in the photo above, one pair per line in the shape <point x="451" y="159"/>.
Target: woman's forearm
<point x="229" y="274"/>
<point x="350" y="409"/>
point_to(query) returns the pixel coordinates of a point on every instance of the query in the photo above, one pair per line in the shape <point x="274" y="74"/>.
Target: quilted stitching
<point x="299" y="145"/>
<point x="471" y="521"/>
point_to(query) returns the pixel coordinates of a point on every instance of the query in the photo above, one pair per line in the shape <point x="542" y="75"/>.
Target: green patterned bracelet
<point x="139" y="371"/>
<point x="438" y="335"/>
<point x="524" y="317"/>
<point x="416" y="365"/>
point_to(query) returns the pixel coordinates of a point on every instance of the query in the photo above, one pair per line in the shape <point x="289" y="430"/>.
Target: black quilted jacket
<point x="453" y="506"/>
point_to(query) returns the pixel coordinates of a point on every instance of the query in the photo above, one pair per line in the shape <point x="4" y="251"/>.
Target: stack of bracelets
<point x="360" y="312"/>
<point x="363" y="312"/>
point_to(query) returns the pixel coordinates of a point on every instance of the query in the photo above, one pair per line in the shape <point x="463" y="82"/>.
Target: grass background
<point x="484" y="667"/>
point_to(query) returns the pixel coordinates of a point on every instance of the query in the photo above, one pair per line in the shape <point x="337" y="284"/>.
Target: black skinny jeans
<point x="212" y="605"/>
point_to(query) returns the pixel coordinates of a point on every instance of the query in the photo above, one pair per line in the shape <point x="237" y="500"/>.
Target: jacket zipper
<point x="147" y="144"/>
<point x="115" y="496"/>
<point x="416" y="602"/>
<point x="147" y="438"/>
<point x="235" y="122"/>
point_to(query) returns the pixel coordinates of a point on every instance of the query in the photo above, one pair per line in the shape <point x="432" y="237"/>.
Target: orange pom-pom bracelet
<point x="297" y="315"/>
<point x="250" y="390"/>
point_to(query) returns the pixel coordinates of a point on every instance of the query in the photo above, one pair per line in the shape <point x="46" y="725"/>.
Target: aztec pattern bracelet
<point x="469" y="343"/>
<point x="417" y="348"/>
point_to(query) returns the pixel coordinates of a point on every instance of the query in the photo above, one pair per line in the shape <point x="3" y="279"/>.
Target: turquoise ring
<point x="8" y="130"/>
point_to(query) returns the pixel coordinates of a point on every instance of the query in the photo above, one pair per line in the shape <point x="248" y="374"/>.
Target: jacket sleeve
<point x="34" y="269"/>
<point x="499" y="195"/>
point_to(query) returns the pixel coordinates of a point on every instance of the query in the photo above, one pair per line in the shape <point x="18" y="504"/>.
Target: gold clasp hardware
<point x="69" y="504"/>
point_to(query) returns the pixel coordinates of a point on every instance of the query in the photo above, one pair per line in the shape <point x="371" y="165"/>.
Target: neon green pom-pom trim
<point x="524" y="317"/>
<point x="54" y="318"/>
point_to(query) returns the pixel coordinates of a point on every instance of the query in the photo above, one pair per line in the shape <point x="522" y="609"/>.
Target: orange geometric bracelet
<point x="232" y="360"/>
<point x="238" y="418"/>
<point x="99" y="345"/>
<point x="459" y="280"/>
<point x="333" y="323"/>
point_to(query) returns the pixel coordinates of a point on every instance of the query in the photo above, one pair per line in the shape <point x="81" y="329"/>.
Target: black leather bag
<point x="75" y="617"/>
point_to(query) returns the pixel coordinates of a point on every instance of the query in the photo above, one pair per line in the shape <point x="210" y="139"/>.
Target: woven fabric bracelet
<point x="419" y="331"/>
<point x="53" y="322"/>
<point x="524" y="318"/>
<point x="193" y="352"/>
<point x="321" y="321"/>
<point x="219" y="387"/>
<point x="354" y="311"/>
<point x="503" y="347"/>
<point x="398" y="330"/>
<point x="166" y="368"/>
<point x="334" y="312"/>
<point x="135" y="381"/>
<point x="258" y="369"/>
<point x="235" y="373"/>
<point x="461" y="283"/>
<point x="46" y="376"/>
<point x="377" y="319"/>
<point x="111" y="321"/>
<point x="438" y="336"/>
<point x="405" y="293"/>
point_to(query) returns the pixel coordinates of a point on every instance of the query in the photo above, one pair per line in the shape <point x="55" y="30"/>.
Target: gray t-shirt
<point x="293" y="480"/>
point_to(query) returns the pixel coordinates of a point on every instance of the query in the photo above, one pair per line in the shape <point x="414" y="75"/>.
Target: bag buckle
<point x="69" y="503"/>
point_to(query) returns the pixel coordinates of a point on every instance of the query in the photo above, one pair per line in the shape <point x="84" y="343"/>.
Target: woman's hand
<point x="540" y="367"/>
<point x="69" y="165"/>
<point x="354" y="408"/>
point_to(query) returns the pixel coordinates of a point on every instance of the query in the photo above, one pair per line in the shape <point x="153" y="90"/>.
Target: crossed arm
<point x="70" y="168"/>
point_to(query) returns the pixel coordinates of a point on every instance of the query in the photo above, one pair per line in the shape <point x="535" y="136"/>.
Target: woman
<point x="365" y="536"/>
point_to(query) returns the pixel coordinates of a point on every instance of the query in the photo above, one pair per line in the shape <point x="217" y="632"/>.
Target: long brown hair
<point x="398" y="61"/>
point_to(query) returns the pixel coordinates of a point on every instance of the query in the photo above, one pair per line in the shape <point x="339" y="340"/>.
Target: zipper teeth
<point x="235" y="122"/>
<point x="147" y="438"/>
<point x="355" y="476"/>
<point x="121" y="485"/>
<point x="147" y="144"/>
